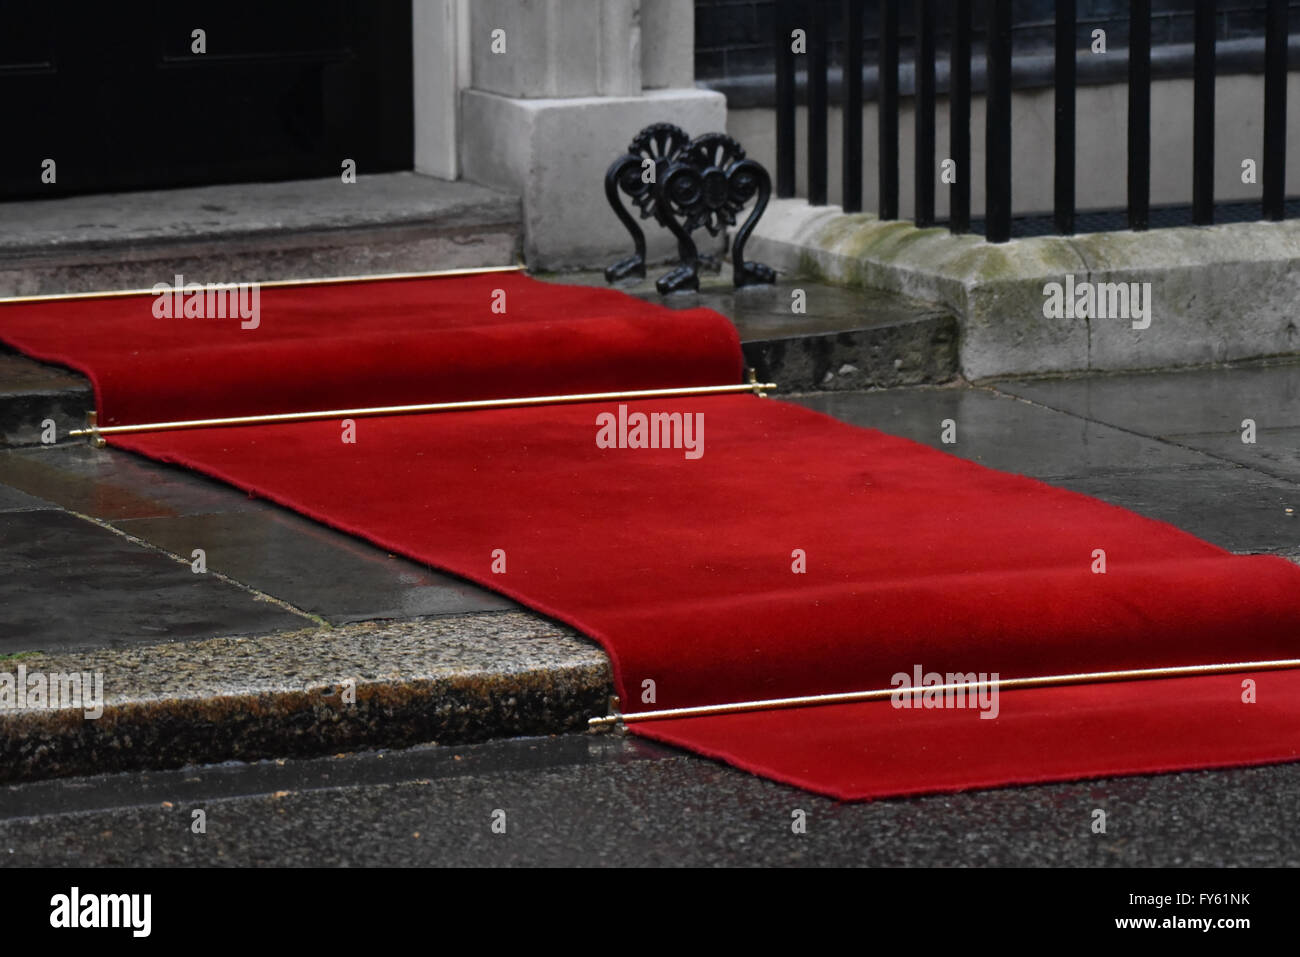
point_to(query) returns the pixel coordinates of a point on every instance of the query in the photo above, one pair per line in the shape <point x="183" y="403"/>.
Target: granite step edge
<point x="318" y="691"/>
<point x="917" y="351"/>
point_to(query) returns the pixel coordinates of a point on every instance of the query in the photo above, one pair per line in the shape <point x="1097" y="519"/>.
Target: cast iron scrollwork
<point x="659" y="143"/>
<point x="700" y="183"/>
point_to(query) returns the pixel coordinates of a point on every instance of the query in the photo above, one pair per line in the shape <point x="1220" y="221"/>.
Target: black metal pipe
<point x="852" y="141"/>
<point x="959" y="118"/>
<point x="818" y="102"/>
<point x="997" y="132"/>
<point x="1203" y="115"/>
<point x="1063" y="170"/>
<point x="923" y="158"/>
<point x="1274" y="172"/>
<point x="781" y="21"/>
<point x="1139" y="115"/>
<point x="887" y="169"/>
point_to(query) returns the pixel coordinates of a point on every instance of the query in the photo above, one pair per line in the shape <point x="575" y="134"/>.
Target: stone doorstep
<point x="454" y="680"/>
<point x="846" y="339"/>
<point x="849" y="339"/>
<point x="912" y="352"/>
<point x="31" y="392"/>
<point x="354" y="252"/>
<point x="256" y="232"/>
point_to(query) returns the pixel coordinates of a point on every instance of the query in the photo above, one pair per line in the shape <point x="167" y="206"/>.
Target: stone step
<point x="306" y="693"/>
<point x="843" y="339"/>
<point x="255" y="232"/>
<point x="32" y="393"/>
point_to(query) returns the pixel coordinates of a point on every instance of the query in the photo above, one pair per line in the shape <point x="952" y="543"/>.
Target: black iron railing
<point x="820" y="20"/>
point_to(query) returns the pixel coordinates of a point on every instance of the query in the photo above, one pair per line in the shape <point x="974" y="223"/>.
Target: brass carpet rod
<point x="276" y="283"/>
<point x="614" y="719"/>
<point x="94" y="430"/>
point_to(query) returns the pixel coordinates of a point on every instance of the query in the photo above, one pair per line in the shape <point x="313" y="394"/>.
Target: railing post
<point x="959" y="117"/>
<point x="1203" y="116"/>
<point x="923" y="158"/>
<point x="852" y="142"/>
<point x="818" y="107"/>
<point x="782" y="23"/>
<point x="887" y="116"/>
<point x="1063" y="198"/>
<point x="1139" y="114"/>
<point x="1275" y="110"/>
<point x="997" y="134"/>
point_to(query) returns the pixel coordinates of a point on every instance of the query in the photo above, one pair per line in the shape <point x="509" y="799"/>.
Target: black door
<point x="116" y="95"/>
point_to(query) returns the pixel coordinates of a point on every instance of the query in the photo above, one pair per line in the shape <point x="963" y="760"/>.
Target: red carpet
<point x="682" y="567"/>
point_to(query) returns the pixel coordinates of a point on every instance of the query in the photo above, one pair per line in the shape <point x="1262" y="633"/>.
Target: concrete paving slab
<point x="113" y="485"/>
<point x="1003" y="433"/>
<point x="1275" y="452"/>
<point x="270" y="549"/>
<point x="1175" y="403"/>
<point x="66" y="583"/>
<point x="326" y="573"/>
<point x="1235" y="508"/>
<point x="605" y="801"/>
<point x="12" y="500"/>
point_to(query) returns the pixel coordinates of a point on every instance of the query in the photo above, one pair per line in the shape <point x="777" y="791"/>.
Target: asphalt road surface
<point x="617" y="801"/>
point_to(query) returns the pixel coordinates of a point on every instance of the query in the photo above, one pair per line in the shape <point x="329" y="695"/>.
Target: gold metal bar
<point x="277" y="283"/>
<point x="427" y="407"/>
<point x="849" y="697"/>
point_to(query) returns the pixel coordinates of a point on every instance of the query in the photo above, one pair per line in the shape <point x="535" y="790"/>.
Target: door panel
<point x="116" y="96"/>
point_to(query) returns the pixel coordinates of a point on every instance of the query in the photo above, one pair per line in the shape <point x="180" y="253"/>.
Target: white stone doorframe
<point x="546" y="120"/>
<point x="440" y="41"/>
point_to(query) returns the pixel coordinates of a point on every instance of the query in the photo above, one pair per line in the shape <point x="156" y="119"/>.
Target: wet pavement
<point x="95" y="552"/>
<point x="1165" y="445"/>
<point x="98" y="544"/>
<point x="111" y="537"/>
<point x="68" y="583"/>
<point x="613" y="801"/>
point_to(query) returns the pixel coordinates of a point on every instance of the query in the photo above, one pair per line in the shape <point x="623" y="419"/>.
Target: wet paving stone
<point x="67" y="583"/>
<point x="1003" y="433"/>
<point x="336" y="576"/>
<point x="12" y="500"/>
<point x="321" y="571"/>
<point x="110" y="484"/>
<point x="1274" y="451"/>
<point x="1234" y="508"/>
<point x="1197" y="401"/>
